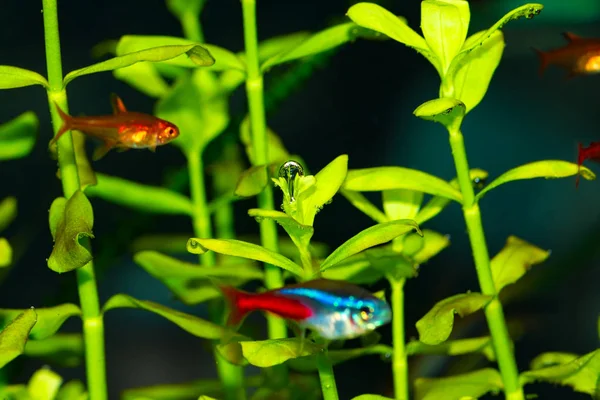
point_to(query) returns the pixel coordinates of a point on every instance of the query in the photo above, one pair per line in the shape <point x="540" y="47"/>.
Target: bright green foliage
<point x="44" y="384"/>
<point x="513" y="261"/>
<point x="454" y="347"/>
<point x="580" y="372"/>
<point x="252" y="181"/>
<point x="49" y="320"/>
<point x="5" y="253"/>
<point x="432" y="243"/>
<point x="8" y="211"/>
<point x="72" y="390"/>
<point x="471" y="385"/>
<point x="17" y="137"/>
<point x="62" y="349"/>
<point x="356" y="269"/>
<point x="267" y="353"/>
<point x="401" y="203"/>
<point x="189" y="323"/>
<point x="87" y="176"/>
<point x="445" y="110"/>
<point x="145" y="78"/>
<point x="180" y="8"/>
<point x="371" y="397"/>
<point x="548" y="169"/>
<point x="386" y="178"/>
<point x="276" y="45"/>
<point x="14" y="336"/>
<point x="141" y="197"/>
<point x="307" y="364"/>
<point x="390" y="263"/>
<point x="70" y="221"/>
<point x="188" y="390"/>
<point x="435" y="326"/>
<point x="15" y="77"/>
<point x="359" y="201"/>
<point x="277" y="151"/>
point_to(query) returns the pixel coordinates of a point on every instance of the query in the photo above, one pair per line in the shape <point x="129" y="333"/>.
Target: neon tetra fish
<point x="592" y="152"/>
<point x="581" y="56"/>
<point x="123" y="130"/>
<point x="333" y="309"/>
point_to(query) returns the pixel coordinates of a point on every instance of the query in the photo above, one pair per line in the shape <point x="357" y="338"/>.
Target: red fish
<point x="122" y="130"/>
<point x="581" y="56"/>
<point x="592" y="152"/>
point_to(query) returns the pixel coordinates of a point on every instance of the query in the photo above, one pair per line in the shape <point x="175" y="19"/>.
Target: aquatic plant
<point x="192" y="82"/>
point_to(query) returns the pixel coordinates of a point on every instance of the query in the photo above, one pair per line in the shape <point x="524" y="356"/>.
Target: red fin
<point x="102" y="150"/>
<point x="66" y="126"/>
<point x="233" y="297"/>
<point x="571" y="37"/>
<point x="117" y="104"/>
<point x="543" y="60"/>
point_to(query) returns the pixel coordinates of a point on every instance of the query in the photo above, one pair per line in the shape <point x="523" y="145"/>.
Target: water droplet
<point x="289" y="171"/>
<point x="259" y="219"/>
<point x="193" y="244"/>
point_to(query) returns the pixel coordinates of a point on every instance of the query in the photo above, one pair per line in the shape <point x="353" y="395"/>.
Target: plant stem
<point x="93" y="324"/>
<point x="326" y="376"/>
<point x="232" y="376"/>
<point x="254" y="90"/>
<point x="399" y="364"/>
<point x="493" y="311"/>
<point x="191" y="27"/>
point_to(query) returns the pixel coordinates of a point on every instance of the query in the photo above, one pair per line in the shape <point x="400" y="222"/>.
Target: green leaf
<point x="373" y="236"/>
<point x="70" y="222"/>
<point x="271" y="47"/>
<point x="146" y="198"/>
<point x="65" y="350"/>
<point x="581" y="373"/>
<point x="548" y="169"/>
<point x="175" y="391"/>
<point x="14" y="336"/>
<point x="454" y="347"/>
<point x="252" y="181"/>
<point x="475" y="71"/>
<point x="87" y="176"/>
<point x="267" y="353"/>
<point x="445" y="24"/>
<point x="433" y="243"/>
<point x="72" y="390"/>
<point x="401" y="203"/>
<point x="8" y="211"/>
<point x="363" y="204"/>
<point x="300" y="234"/>
<point x="471" y="385"/>
<point x="277" y="151"/>
<point x="166" y="243"/>
<point x="514" y="260"/>
<point x="371" y="397"/>
<point x="145" y="78"/>
<point x="14" y="392"/>
<point x="356" y="269"/>
<point x="44" y="384"/>
<point x="17" y="137"/>
<point x="237" y="248"/>
<point x="435" y="326"/>
<point x="49" y="320"/>
<point x="386" y="178"/>
<point x="445" y="110"/>
<point x="319" y="42"/>
<point x="6" y="253"/>
<point x="15" y="77"/>
<point x="308" y="364"/>
<point x="393" y="265"/>
<point x="189" y="323"/>
<point x="192" y="55"/>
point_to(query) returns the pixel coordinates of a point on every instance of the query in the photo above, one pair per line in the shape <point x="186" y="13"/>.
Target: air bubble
<point x="289" y="171"/>
<point x="193" y="244"/>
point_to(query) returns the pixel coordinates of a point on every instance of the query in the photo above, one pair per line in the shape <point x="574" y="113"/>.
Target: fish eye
<point x="366" y="313"/>
<point x="170" y="131"/>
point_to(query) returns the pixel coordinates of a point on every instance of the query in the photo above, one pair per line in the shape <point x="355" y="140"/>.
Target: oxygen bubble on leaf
<point x="289" y="171"/>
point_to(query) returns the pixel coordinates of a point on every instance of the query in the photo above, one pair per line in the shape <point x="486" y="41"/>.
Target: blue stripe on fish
<point x="324" y="297"/>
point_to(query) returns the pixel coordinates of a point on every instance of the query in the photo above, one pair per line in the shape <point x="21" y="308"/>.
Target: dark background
<point x="360" y="103"/>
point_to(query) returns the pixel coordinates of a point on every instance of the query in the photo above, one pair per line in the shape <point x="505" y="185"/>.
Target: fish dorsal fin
<point x="117" y="104"/>
<point x="571" y="37"/>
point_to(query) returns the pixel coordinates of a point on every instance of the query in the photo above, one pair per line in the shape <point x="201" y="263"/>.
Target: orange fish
<point x="581" y="56"/>
<point x="592" y="152"/>
<point x="123" y="130"/>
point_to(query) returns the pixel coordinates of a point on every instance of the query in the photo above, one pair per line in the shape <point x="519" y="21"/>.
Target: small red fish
<point x="581" y="56"/>
<point x="592" y="152"/>
<point x="122" y="130"/>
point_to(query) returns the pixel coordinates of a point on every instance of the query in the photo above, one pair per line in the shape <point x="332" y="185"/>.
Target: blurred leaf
<point x="14" y="392"/>
<point x="145" y="78"/>
<point x="435" y="326"/>
<point x="14" y="336"/>
<point x="8" y="211"/>
<point x="445" y="110"/>
<point x="180" y="8"/>
<point x="70" y="221"/>
<point x="549" y="169"/>
<point x="454" y="347"/>
<point x="267" y="353"/>
<point x="72" y="390"/>
<point x="238" y="248"/>
<point x="373" y="236"/>
<point x="44" y="384"/>
<point x="189" y="323"/>
<point x="300" y="234"/>
<point x="192" y="55"/>
<point x="401" y="204"/>
<point x="49" y="320"/>
<point x="175" y="391"/>
<point x="152" y="199"/>
<point x="17" y="137"/>
<point x="87" y="176"/>
<point x="371" y="397"/>
<point x="359" y="201"/>
<point x="65" y="350"/>
<point x="274" y="46"/>
<point x="15" y="77"/>
<point x="252" y="181"/>
<point x="513" y="261"/>
<point x="581" y="373"/>
<point x="277" y="151"/>
<point x="386" y="178"/>
<point x="393" y="265"/>
<point x="308" y="364"/>
<point x="165" y="243"/>
<point x="433" y="243"/>
<point x="6" y="253"/>
<point x="471" y="385"/>
<point x="356" y="269"/>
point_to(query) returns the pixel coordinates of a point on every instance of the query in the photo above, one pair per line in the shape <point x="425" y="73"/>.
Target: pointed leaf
<point x="17" y="137"/>
<point x="356" y="269"/>
<point x="189" y="323"/>
<point x="267" y="353"/>
<point x="300" y="234"/>
<point x="513" y="261"/>
<point x="14" y="336"/>
<point x="435" y="326"/>
<point x="393" y="265"/>
<point x="307" y="364"/>
<point x="6" y="253"/>
<point x="49" y="320"/>
<point x="15" y="77"/>
<point x="401" y="203"/>
<point x="238" y="248"/>
<point x="174" y="391"/>
<point x="70" y="222"/>
<point x="145" y="78"/>
<point x="359" y="201"/>
<point x="433" y="243"/>
<point x="445" y="110"/>
<point x="454" y="347"/>
<point x="192" y="55"/>
<point x="471" y="385"/>
<point x="44" y="384"/>
<point x="146" y="198"/>
<point x="72" y="390"/>
<point x="8" y="211"/>
<point x="386" y="178"/>
<point x="65" y="350"/>
<point x="271" y="47"/>
<point x="252" y="181"/>
<point x="548" y="169"/>
<point x="373" y="236"/>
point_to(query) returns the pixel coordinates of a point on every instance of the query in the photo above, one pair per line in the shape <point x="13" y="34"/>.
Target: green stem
<point x="399" y="363"/>
<point x="326" y="376"/>
<point x="231" y="376"/>
<point x="191" y="27"/>
<point x="93" y="324"/>
<point x="493" y="311"/>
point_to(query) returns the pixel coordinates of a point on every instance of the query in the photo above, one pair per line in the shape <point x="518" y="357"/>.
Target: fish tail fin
<point x="543" y="60"/>
<point x="66" y="126"/>
<point x="580" y="158"/>
<point x="234" y="299"/>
